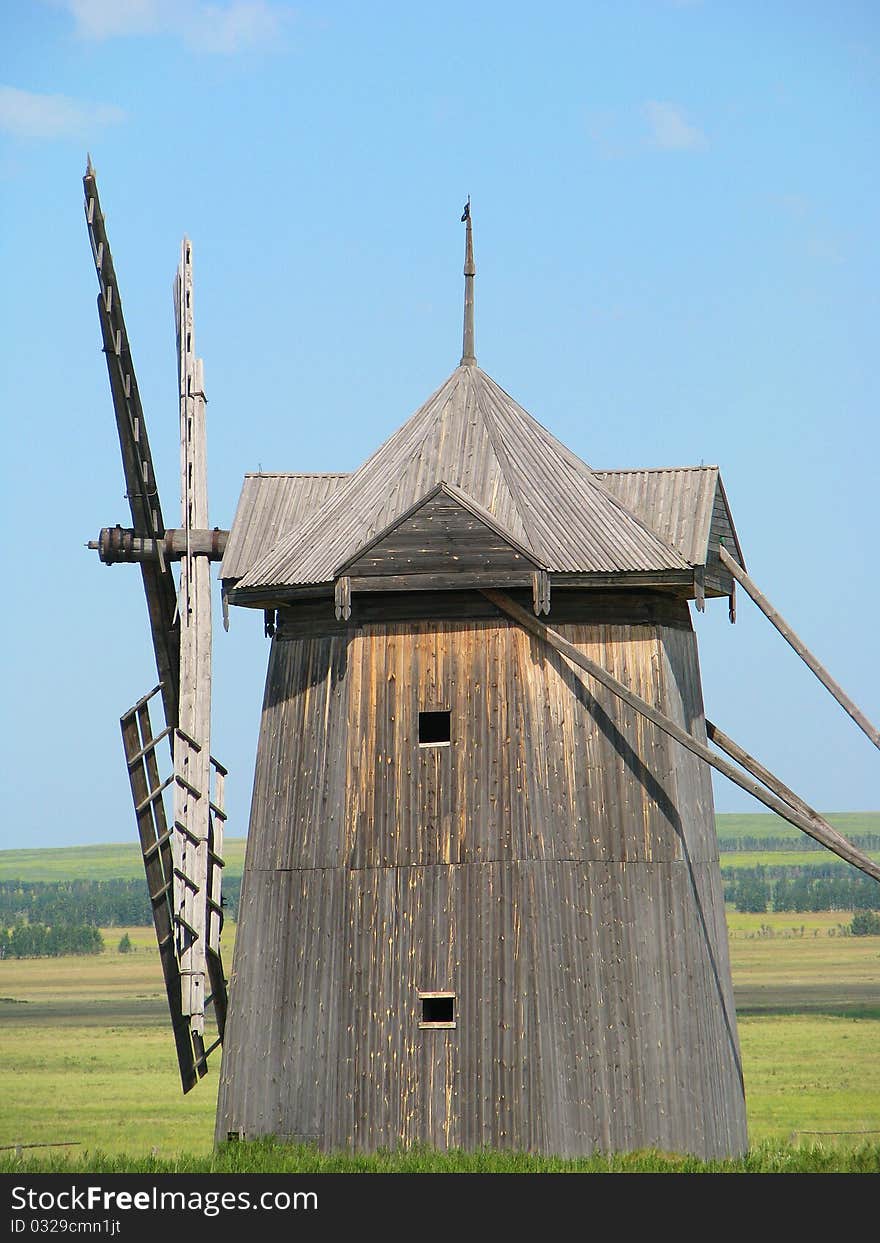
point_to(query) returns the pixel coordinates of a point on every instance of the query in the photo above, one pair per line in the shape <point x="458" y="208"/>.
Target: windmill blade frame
<point x="181" y="848"/>
<point x="137" y="461"/>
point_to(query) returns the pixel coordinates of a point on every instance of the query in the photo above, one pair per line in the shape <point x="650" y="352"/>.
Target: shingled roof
<point x="686" y="505"/>
<point x="472" y="435"/>
<point x="271" y="504"/>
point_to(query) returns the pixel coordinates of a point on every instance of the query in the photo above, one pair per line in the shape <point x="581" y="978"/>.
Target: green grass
<point x="785" y="858"/>
<point x="111" y="861"/>
<point x="803" y="964"/>
<point x="809" y="1074"/>
<point x="767" y="824"/>
<point x="268" y="1157"/>
<point x="87" y="1054"/>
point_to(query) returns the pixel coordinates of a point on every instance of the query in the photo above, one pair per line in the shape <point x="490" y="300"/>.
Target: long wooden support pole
<point x="814" y="826"/>
<point x="802" y="650"/>
<point x="748" y="762"/>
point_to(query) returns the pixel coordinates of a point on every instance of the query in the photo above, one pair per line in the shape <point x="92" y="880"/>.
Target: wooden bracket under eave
<point x="700" y="587"/>
<point x="731" y="609"/>
<point x="342" y="598"/>
<point x="540" y="592"/>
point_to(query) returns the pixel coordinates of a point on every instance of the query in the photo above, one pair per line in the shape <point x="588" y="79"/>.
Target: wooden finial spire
<point x="468" y="358"/>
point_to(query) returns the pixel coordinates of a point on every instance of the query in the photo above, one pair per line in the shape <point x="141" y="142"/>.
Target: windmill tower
<point x="482" y="902"/>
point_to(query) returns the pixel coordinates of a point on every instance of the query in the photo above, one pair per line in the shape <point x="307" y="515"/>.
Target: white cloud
<point x="28" y="115"/>
<point x="670" y="130"/>
<point x="105" y="19"/>
<point x="223" y="27"/>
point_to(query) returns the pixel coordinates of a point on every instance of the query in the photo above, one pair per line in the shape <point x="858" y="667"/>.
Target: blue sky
<point x="675" y="210"/>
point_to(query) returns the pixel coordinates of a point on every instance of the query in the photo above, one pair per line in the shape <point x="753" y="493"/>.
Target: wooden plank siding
<point x="554" y="866"/>
<point x="442" y="534"/>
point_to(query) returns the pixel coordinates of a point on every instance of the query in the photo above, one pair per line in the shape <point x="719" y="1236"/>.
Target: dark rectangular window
<point x="438" y="1009"/>
<point x="434" y="729"/>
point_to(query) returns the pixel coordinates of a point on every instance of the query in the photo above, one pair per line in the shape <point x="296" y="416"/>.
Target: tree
<point x="125" y="946"/>
<point x="865" y="924"/>
<point x="752" y="891"/>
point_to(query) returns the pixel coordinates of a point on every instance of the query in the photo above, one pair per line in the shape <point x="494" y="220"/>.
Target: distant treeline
<point x="125" y="903"/>
<point x="41" y="941"/>
<point x="835" y="887"/>
<point x="749" y="845"/>
<point x="96" y="903"/>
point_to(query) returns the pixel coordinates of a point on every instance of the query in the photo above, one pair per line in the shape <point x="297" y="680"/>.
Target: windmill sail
<point x="182" y="851"/>
<point x="137" y="462"/>
<point x="198" y="859"/>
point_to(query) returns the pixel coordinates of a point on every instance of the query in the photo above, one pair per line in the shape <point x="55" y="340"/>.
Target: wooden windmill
<point x="481" y="902"/>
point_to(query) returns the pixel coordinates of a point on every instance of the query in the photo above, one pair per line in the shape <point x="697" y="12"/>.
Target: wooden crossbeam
<point x="151" y="746"/>
<point x="813" y="825"/>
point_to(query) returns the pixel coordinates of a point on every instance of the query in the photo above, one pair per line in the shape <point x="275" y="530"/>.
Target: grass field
<point x="86" y="1054"/>
<point x="766" y="824"/>
<point x="784" y="858"/>
<point x="111" y="861"/>
<point x="88" y="1057"/>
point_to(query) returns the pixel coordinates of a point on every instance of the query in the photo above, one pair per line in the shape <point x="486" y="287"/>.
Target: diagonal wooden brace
<point x="813" y="825"/>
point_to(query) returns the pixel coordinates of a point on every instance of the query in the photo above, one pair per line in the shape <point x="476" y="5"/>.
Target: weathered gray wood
<point x="310" y="616"/>
<point x="686" y="505"/>
<point x="800" y="647"/>
<point x="555" y="867"/>
<point x="468" y="358"/>
<point x="273" y="504"/>
<point x="442" y="581"/>
<point x="342" y="598"/>
<point x="137" y="462"/>
<point x="548" y="500"/>
<point x="155" y="841"/>
<point x="814" y="826"/>
<point x="216" y="822"/>
<point x="444" y="530"/>
<point x="120" y="544"/>
<point x="192" y="814"/>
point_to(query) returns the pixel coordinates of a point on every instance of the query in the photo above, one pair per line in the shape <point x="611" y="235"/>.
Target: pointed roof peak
<point x="468" y="358"/>
<point x="473" y="436"/>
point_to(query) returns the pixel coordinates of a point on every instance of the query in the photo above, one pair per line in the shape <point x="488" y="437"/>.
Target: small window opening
<point x="438" y="1009"/>
<point x="434" y="729"/>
